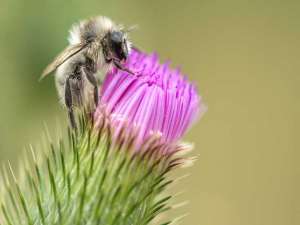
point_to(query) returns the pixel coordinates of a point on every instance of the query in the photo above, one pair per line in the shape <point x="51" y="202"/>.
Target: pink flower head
<point x="155" y="99"/>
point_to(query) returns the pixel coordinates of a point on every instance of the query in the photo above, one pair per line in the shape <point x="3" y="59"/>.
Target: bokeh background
<point x="244" y="56"/>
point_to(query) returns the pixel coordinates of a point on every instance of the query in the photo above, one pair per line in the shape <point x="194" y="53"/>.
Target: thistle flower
<point x="156" y="100"/>
<point x="113" y="171"/>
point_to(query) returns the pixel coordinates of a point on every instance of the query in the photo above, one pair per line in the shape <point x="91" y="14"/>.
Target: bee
<point x="96" y="45"/>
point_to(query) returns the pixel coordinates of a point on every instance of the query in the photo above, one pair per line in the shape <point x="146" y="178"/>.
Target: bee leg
<point x="68" y="101"/>
<point x="92" y="79"/>
<point x="121" y="67"/>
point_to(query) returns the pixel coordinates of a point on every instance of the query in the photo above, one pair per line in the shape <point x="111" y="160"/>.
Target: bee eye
<point x="116" y="37"/>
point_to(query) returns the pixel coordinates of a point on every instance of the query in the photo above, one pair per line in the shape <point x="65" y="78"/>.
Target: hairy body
<point x="95" y="46"/>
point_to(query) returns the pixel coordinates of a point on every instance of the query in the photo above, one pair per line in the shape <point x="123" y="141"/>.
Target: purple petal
<point x="155" y="99"/>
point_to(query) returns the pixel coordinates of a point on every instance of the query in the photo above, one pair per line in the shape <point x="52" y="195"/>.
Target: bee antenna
<point x="131" y="28"/>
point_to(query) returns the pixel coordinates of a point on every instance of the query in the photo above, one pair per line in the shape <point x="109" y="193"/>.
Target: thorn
<point x="179" y="219"/>
<point x="188" y="162"/>
<point x="33" y="154"/>
<point x="184" y="148"/>
<point x="179" y="205"/>
<point x="178" y="194"/>
<point x="12" y="172"/>
<point x="176" y="180"/>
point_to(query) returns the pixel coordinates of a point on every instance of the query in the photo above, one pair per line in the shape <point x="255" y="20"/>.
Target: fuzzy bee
<point x="95" y="46"/>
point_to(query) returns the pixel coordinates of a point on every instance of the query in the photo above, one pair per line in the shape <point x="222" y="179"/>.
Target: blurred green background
<point x="244" y="56"/>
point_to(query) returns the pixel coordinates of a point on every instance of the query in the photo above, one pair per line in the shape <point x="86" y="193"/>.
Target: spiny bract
<point x="93" y="179"/>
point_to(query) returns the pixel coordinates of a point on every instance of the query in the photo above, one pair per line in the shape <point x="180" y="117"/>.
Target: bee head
<point x="117" y="45"/>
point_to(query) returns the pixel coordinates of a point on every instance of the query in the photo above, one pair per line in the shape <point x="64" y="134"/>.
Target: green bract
<point x="92" y="178"/>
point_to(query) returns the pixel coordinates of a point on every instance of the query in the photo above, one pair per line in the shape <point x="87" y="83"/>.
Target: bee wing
<point x="67" y="53"/>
